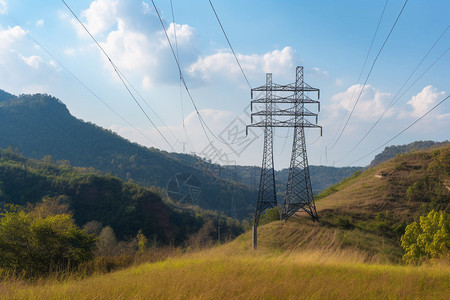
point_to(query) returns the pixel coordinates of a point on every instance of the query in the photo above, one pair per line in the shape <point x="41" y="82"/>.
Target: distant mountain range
<point x="41" y="126"/>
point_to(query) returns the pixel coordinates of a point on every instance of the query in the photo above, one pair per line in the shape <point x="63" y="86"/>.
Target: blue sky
<point x="329" y="38"/>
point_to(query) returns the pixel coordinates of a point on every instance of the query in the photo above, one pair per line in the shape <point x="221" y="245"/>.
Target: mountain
<point x="126" y="207"/>
<point x="392" y="151"/>
<point x="6" y="96"/>
<point x="41" y="125"/>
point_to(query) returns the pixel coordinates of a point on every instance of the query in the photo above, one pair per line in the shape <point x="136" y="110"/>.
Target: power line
<point x="360" y="73"/>
<point x="393" y="102"/>
<point x="119" y="75"/>
<point x="412" y="124"/>
<point x="81" y="82"/>
<point x="370" y="72"/>
<point x="202" y="121"/>
<point x="183" y="128"/>
<point x="229" y="44"/>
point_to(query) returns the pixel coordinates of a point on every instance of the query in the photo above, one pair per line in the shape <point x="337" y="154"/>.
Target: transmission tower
<point x="299" y="194"/>
<point x="285" y="110"/>
<point x="267" y="196"/>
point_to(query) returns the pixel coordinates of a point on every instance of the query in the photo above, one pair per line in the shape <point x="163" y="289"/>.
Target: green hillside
<point x="392" y="151"/>
<point x="352" y="253"/>
<point x="40" y="125"/>
<point x="126" y="207"/>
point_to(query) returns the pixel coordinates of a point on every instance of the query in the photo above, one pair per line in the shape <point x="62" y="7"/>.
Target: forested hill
<point x="392" y="151"/>
<point x="40" y="125"/>
<point x="100" y="199"/>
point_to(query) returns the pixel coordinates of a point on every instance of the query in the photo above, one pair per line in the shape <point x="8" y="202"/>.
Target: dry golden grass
<point x="230" y="273"/>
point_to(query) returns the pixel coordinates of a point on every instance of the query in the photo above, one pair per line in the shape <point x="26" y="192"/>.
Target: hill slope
<point x="392" y="151"/>
<point x="40" y="125"/>
<point x="336" y="258"/>
<point x="126" y="207"/>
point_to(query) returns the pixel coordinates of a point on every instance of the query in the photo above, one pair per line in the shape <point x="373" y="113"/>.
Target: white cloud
<point x="279" y="62"/>
<point x="130" y="33"/>
<point x="26" y="72"/>
<point x="100" y="16"/>
<point x="3" y="7"/>
<point x="40" y="23"/>
<point x="425" y="100"/>
<point x="370" y="105"/>
<point x="10" y="36"/>
<point x="33" y="61"/>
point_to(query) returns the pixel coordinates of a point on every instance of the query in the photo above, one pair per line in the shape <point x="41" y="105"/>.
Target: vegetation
<point x="229" y="272"/>
<point x="354" y="252"/>
<point x="104" y="201"/>
<point x="391" y="151"/>
<point x="41" y="126"/>
<point x="428" y="239"/>
<point x="39" y="242"/>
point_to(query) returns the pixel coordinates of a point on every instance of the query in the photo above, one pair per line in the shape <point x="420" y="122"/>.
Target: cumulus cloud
<point x="10" y="36"/>
<point x="223" y="63"/>
<point x="33" y="61"/>
<point x="371" y="104"/>
<point x="25" y="72"/>
<point x="425" y="100"/>
<point x="130" y="33"/>
<point x="100" y="16"/>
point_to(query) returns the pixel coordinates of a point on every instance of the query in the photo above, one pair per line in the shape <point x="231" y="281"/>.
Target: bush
<point x="272" y="214"/>
<point x="34" y="245"/>
<point x="428" y="239"/>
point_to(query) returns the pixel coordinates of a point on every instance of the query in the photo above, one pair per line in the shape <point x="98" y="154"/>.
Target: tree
<point x="428" y="239"/>
<point x="142" y="241"/>
<point x="35" y="245"/>
<point x="107" y="242"/>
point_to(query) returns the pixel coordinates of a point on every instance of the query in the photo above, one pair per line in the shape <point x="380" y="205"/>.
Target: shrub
<point x="428" y="239"/>
<point x="35" y="245"/>
<point x="272" y="214"/>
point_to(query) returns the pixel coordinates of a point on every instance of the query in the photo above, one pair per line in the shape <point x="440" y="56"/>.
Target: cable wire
<point x="398" y="134"/>
<point x="229" y="44"/>
<point x="396" y="100"/>
<point x="118" y="74"/>
<point x="81" y="82"/>
<point x="360" y="73"/>
<point x="202" y="121"/>
<point x="370" y="72"/>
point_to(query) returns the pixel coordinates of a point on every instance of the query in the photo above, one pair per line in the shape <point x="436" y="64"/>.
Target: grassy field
<point x="216" y="274"/>
<point x="353" y="253"/>
<point x="233" y="271"/>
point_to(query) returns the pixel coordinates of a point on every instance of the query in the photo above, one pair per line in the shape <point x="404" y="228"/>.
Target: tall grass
<point x="227" y="273"/>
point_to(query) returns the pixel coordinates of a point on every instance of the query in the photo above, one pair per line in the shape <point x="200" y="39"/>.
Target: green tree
<point x="428" y="239"/>
<point x="272" y="214"/>
<point x="34" y="245"/>
<point x="142" y="241"/>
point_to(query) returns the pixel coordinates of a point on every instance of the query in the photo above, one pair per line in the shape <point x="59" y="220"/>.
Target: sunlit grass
<point x="229" y="272"/>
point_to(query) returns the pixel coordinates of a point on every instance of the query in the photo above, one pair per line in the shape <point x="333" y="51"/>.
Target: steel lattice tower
<point x="267" y="196"/>
<point x="285" y="111"/>
<point x="299" y="195"/>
